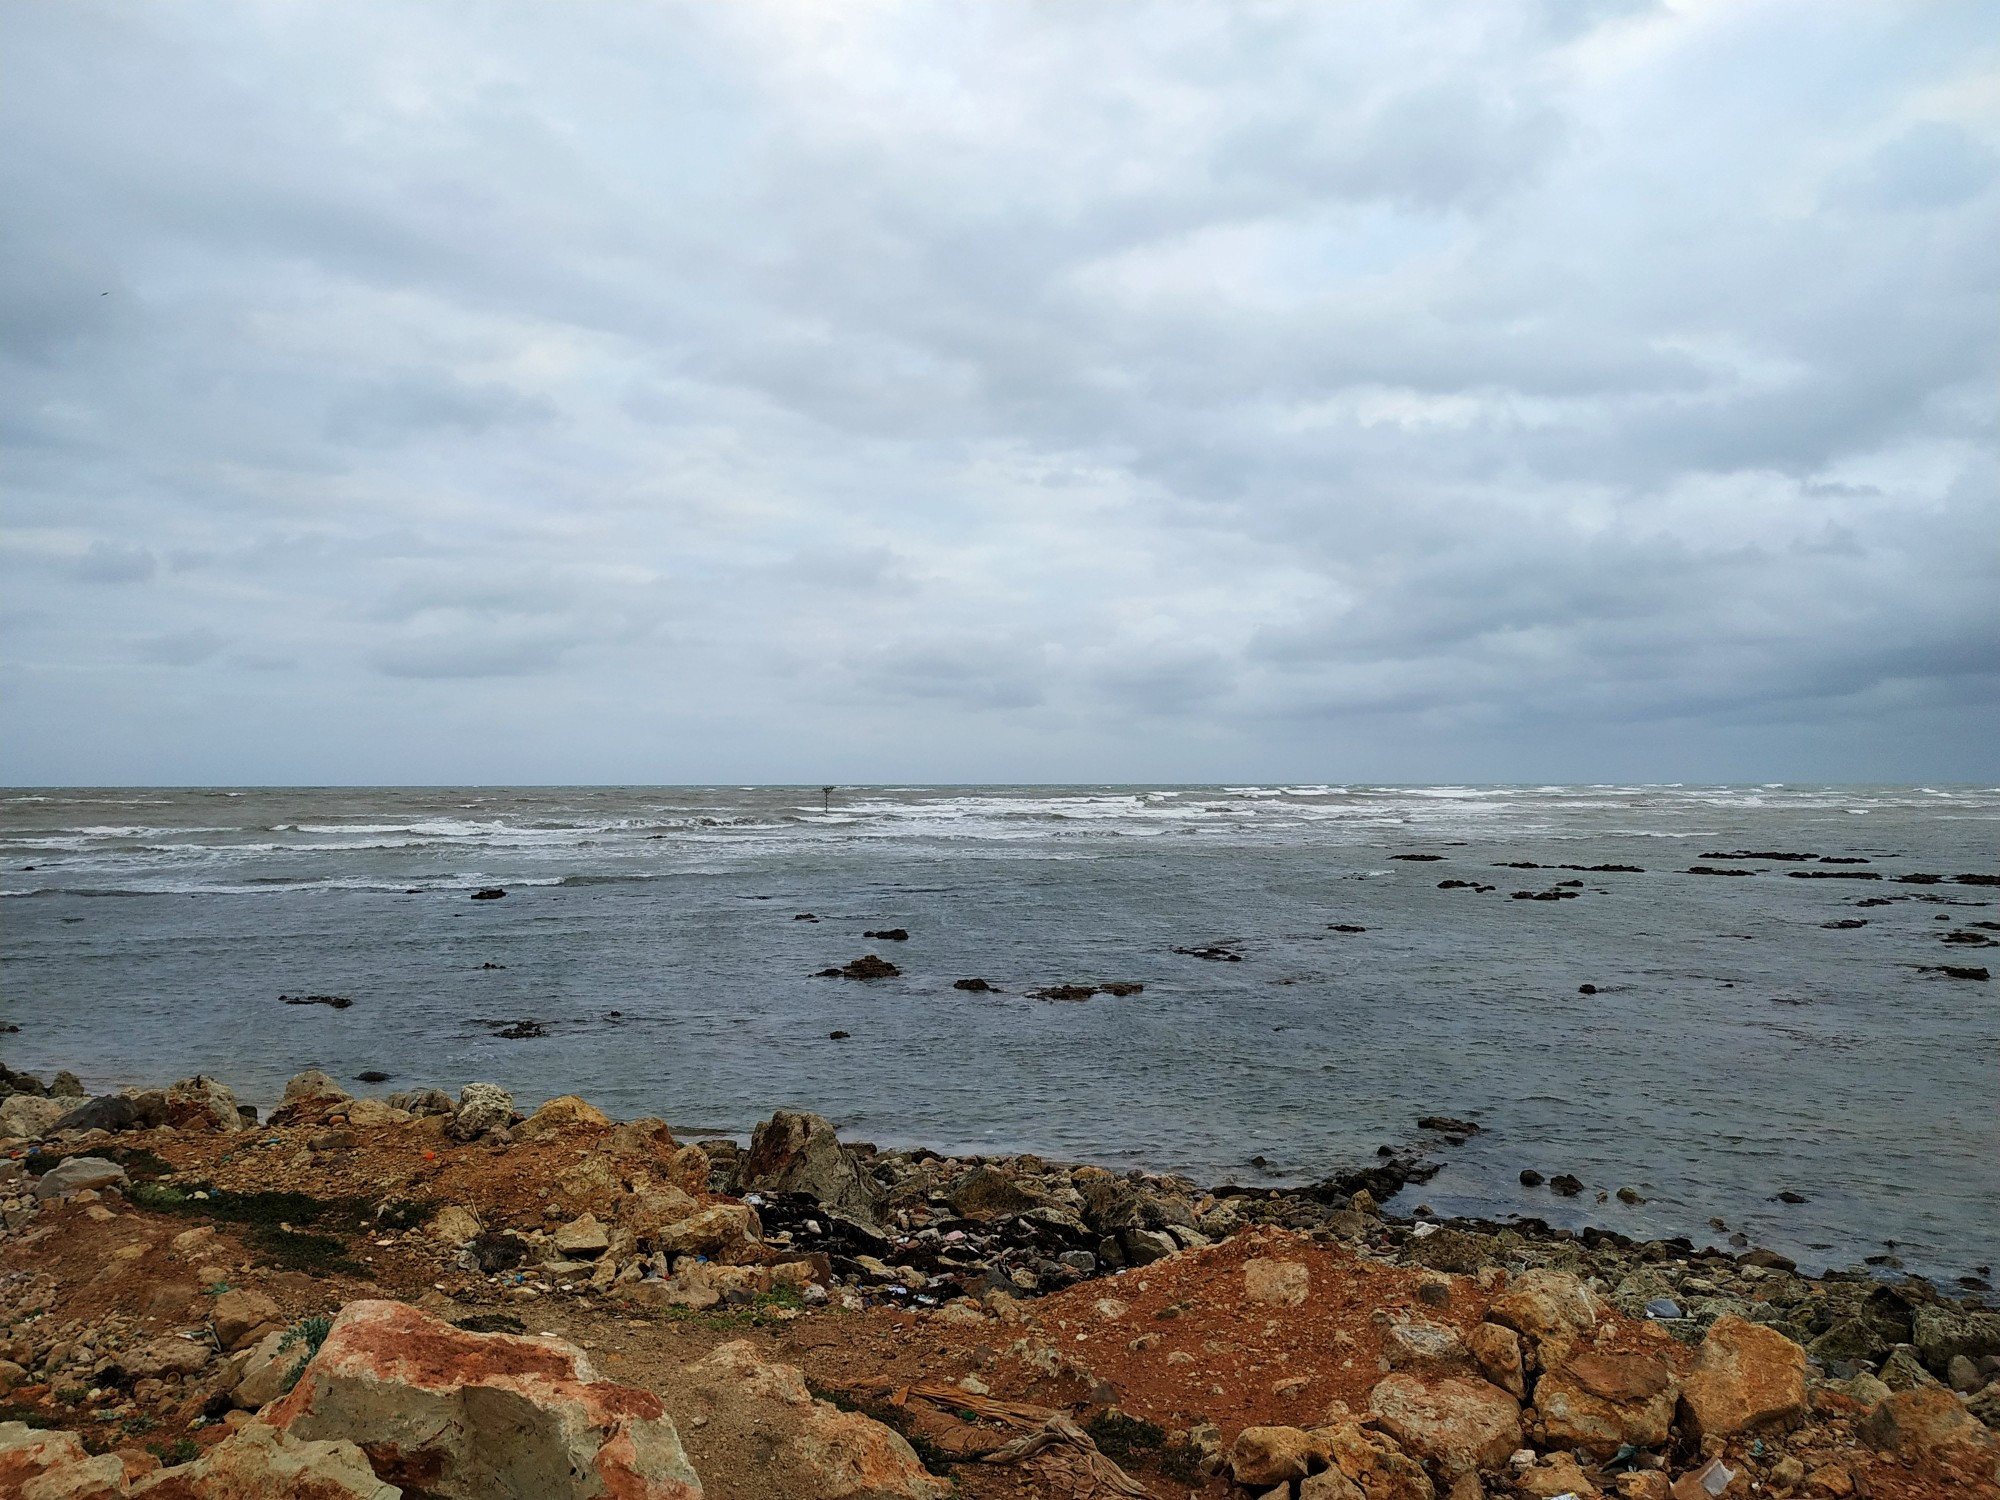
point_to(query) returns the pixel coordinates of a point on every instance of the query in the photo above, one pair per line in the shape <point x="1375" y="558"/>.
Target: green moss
<point x="179" y="1451"/>
<point x="1120" y="1437"/>
<point x="140" y="1164"/>
<point x="27" y="1415"/>
<point x="491" y="1323"/>
<point x="314" y="1254"/>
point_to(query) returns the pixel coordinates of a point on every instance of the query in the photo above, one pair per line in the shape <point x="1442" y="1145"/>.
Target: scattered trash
<point x="1664" y="1307"/>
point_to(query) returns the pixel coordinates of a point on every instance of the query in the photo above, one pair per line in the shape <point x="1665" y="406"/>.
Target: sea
<point x="1321" y="966"/>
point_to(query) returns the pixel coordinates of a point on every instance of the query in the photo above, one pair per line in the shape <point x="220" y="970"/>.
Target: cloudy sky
<point x="1507" y="390"/>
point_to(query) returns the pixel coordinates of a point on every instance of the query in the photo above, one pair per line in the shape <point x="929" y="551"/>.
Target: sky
<point x="1510" y="390"/>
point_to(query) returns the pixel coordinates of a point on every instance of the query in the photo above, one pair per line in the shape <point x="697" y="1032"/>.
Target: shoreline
<point x="158" y="1248"/>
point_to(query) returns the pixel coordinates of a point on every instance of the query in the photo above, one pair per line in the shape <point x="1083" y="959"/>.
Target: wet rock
<point x="1460" y="1424"/>
<point x="1066" y="992"/>
<point x="796" y="1152"/>
<point x="1566" y="1185"/>
<point x="1448" y="1126"/>
<point x="371" y="1075"/>
<point x="1122" y="988"/>
<point x="1215" y="954"/>
<point x="976" y="986"/>
<point x="1277" y="1283"/>
<point x="868" y="966"/>
<point x="1344" y="927"/>
<point x="463" y="1416"/>
<point x="1604" y="1402"/>
<point x="481" y="1107"/>
<point x="258" y="1461"/>
<point x="521" y="1031"/>
<point x="889" y="935"/>
<point x="1745" y="1378"/>
<point x="1531" y="1178"/>
<point x="488" y="893"/>
<point x="1424" y="859"/>
<point x="815" y="1448"/>
<point x="78" y="1174"/>
<point x="331" y="1002"/>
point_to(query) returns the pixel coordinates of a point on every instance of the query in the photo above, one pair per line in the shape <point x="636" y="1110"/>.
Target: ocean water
<point x="1736" y="1047"/>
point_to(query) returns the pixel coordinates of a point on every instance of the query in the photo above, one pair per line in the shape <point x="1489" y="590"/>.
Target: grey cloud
<point x="1006" y="372"/>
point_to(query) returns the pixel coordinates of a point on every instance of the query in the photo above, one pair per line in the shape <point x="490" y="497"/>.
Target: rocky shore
<point x="415" y="1294"/>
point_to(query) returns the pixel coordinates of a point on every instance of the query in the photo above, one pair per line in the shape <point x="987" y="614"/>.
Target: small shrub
<point x="491" y="1323"/>
<point x="305" y="1336"/>
<point x="183" y="1450"/>
<point x="1119" y="1437"/>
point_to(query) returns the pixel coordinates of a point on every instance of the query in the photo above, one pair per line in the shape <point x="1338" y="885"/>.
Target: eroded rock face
<point x="1427" y="1347"/>
<point x="1604" y="1401"/>
<point x="257" y="1462"/>
<point x="481" y="1107"/>
<point x="1498" y="1353"/>
<point x="1942" y="1334"/>
<point x="1745" y="1377"/>
<point x="463" y="1416"/>
<point x="308" y="1093"/>
<point x="55" y="1462"/>
<point x="1375" y="1464"/>
<point x="1553" y="1309"/>
<point x="1266" y="1456"/>
<point x="793" y="1152"/>
<point x="822" y="1452"/>
<point x="26" y="1115"/>
<point x="1460" y="1424"/>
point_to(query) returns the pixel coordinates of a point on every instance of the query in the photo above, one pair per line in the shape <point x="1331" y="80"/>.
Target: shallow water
<point x="1736" y="1047"/>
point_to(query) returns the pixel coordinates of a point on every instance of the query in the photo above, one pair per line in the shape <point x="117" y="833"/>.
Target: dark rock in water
<point x="1531" y="1178"/>
<point x="488" y="893"/>
<point x="1064" y="992"/>
<point x="1954" y="971"/>
<point x="1968" y="939"/>
<point x="1462" y="885"/>
<point x="1123" y="987"/>
<point x="1977" y="879"/>
<point x="20" y="1083"/>
<point x="804" y="916"/>
<point x="837" y="1036"/>
<point x="1344" y="927"/>
<point x="373" y="1075"/>
<point x="492" y="966"/>
<point x="1917" y="877"/>
<point x="1548" y="895"/>
<point x="1754" y="854"/>
<point x="332" y="1002"/>
<point x="1770" y="1260"/>
<point x="977" y="986"/>
<point x="1788" y="1196"/>
<point x="1711" y="870"/>
<point x="1586" y="989"/>
<point x="1833" y="874"/>
<point x="1608" y="869"/>
<point x="1516" y="864"/>
<point x="1845" y="924"/>
<point x="890" y="935"/>
<point x="1842" y="859"/>
<point x="522" y="1031"/>
<point x="1418" y="858"/>
<point x="1880" y="900"/>
<point x="1448" y="1125"/>
<point x="1565" y="1184"/>
<point x="66" y="1086"/>
<point x="1214" y="954"/>
<point x="868" y="966"/>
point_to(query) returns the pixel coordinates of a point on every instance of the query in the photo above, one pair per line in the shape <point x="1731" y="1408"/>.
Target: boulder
<point x="1277" y="1283"/>
<point x="813" y="1447"/>
<point x="258" y="1461"/>
<point x="989" y="1193"/>
<point x="1497" y="1351"/>
<point x="267" y="1372"/>
<point x="1460" y="1424"/>
<point x="1265" y="1456"/>
<point x="640" y="1215"/>
<point x="564" y="1112"/>
<point x="582" y="1239"/>
<point x="1373" y="1462"/>
<point x="1603" y="1402"/>
<point x="23" y="1116"/>
<point x="1932" y="1425"/>
<point x="645" y="1136"/>
<point x="75" y="1174"/>
<point x="309" y="1093"/>
<point x="369" y="1114"/>
<point x="728" y="1231"/>
<point x="1942" y="1334"/>
<point x="421" y="1102"/>
<point x="1745" y="1378"/>
<point x="793" y="1152"/>
<point x="116" y="1112"/>
<point x="1427" y="1347"/>
<point x="481" y="1107"/>
<point x="55" y="1463"/>
<point x="1144" y="1246"/>
<point x="239" y="1316"/>
<point x="463" y="1416"/>
<point x="453" y="1224"/>
<point x="166" y="1356"/>
<point x="1553" y="1309"/>
<point x="200" y="1103"/>
<point x="1452" y="1250"/>
<point x="1329" y="1484"/>
<point x="1904" y="1369"/>
<point x="1556" y="1477"/>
